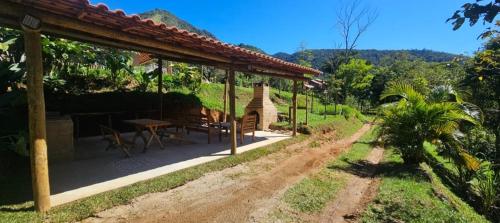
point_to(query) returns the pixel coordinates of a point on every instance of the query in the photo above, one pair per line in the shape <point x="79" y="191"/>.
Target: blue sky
<point x="282" y="25"/>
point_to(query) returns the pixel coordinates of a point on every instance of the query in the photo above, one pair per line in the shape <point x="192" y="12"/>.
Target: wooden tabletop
<point x="147" y="122"/>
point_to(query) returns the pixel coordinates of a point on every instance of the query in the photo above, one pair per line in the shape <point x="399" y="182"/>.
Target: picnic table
<point x="149" y="125"/>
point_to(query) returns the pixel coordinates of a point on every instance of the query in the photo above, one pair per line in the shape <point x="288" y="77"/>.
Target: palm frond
<point x="469" y="161"/>
<point x="402" y="90"/>
<point x="444" y="93"/>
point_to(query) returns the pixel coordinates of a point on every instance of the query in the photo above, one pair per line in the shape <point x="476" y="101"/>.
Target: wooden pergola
<point x="81" y="21"/>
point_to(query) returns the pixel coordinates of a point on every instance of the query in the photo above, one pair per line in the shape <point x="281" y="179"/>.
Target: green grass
<point x="407" y="194"/>
<point x="313" y="193"/>
<point x="87" y="207"/>
<point x="431" y="151"/>
<point x="211" y="96"/>
<point x="440" y="189"/>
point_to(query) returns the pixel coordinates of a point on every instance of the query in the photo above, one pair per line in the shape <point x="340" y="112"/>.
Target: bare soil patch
<point x="238" y="194"/>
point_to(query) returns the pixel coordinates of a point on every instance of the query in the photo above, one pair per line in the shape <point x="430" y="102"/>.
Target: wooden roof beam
<point x="70" y="25"/>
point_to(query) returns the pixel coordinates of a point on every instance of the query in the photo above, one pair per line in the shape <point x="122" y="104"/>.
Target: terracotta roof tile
<point x="100" y="14"/>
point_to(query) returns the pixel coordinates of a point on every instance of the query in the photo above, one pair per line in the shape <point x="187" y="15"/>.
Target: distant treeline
<point x="376" y="57"/>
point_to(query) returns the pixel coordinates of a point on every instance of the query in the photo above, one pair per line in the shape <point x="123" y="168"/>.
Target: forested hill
<point x="374" y="56"/>
<point x="160" y="15"/>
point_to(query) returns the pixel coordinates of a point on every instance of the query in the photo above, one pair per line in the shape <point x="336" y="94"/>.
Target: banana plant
<point x="144" y="79"/>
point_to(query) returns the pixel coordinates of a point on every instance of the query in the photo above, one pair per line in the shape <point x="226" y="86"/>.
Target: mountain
<point x="163" y="16"/>
<point x="320" y="56"/>
<point x="252" y="48"/>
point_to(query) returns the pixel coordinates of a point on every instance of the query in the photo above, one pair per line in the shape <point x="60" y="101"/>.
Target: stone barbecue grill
<point x="262" y="106"/>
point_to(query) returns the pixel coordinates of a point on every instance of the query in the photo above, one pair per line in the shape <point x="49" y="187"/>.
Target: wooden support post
<point x="36" y="117"/>
<point x="224" y="119"/>
<point x="312" y="102"/>
<point x="324" y="113"/>
<point x="307" y="106"/>
<point x="294" y="106"/>
<point x="160" y="86"/>
<point x="232" y="110"/>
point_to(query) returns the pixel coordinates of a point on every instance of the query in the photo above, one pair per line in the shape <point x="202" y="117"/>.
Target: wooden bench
<point x="198" y="120"/>
<point x="201" y="123"/>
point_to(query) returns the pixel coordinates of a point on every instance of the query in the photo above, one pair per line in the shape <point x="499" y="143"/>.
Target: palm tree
<point x="414" y="119"/>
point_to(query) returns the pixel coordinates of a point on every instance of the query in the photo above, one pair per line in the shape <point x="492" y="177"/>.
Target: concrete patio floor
<point x="95" y="170"/>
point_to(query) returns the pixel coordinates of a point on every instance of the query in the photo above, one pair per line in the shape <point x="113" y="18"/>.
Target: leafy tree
<point x="356" y="77"/>
<point x="116" y="61"/>
<point x="305" y="56"/>
<point x="188" y="76"/>
<point x="483" y="80"/>
<point x="423" y="75"/>
<point x="144" y="79"/>
<point x="62" y="58"/>
<point x="473" y="12"/>
<point x="414" y="119"/>
<point x="333" y="91"/>
<point x="11" y="64"/>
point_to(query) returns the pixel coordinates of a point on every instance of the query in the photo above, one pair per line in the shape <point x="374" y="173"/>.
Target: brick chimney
<point x="262" y="106"/>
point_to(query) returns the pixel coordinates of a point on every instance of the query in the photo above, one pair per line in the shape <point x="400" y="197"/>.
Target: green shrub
<point x="485" y="185"/>
<point x="480" y="142"/>
<point x="304" y="129"/>
<point x="347" y="111"/>
<point x="350" y="112"/>
<point x="413" y="119"/>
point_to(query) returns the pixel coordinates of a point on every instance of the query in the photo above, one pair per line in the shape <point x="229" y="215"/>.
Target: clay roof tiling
<point x="101" y="15"/>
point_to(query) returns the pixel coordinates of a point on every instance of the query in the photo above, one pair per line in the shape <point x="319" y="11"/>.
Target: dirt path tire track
<point x="356" y="195"/>
<point x="228" y="201"/>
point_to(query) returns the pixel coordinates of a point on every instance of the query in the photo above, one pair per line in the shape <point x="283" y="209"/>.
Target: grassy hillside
<point x="415" y="194"/>
<point x="211" y="96"/>
<point x="160" y="15"/>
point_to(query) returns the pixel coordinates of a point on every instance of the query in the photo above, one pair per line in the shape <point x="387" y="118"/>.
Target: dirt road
<point x="360" y="189"/>
<point x="237" y="194"/>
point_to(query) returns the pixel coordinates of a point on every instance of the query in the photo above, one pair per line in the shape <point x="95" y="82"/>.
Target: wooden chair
<point x="115" y="140"/>
<point x="247" y="125"/>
